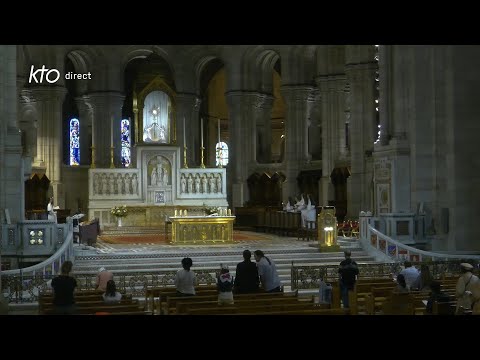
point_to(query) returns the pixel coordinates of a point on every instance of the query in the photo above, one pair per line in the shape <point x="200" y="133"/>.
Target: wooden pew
<point x="253" y="309"/>
<point x="184" y="307"/>
<point x="172" y="301"/>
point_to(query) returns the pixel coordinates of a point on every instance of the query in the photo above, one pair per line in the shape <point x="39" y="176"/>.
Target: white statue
<point x="126" y="182"/>
<point x="134" y="184"/>
<point x="219" y="183"/>
<point x="119" y="184"/>
<point x="111" y="184"/>
<point x="104" y="184"/>
<point x="153" y="177"/>
<point x="190" y="184"/>
<point x="204" y="184"/>
<point x="197" y="184"/>
<point x="183" y="184"/>
<point x="211" y="180"/>
<point x="165" y="176"/>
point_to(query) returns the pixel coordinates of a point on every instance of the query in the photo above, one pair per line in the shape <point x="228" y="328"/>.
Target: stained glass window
<point x="221" y="154"/>
<point x="74" y="142"/>
<point x="125" y="133"/>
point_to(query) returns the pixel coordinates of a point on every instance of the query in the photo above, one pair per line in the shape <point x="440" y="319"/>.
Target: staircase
<point x="282" y="252"/>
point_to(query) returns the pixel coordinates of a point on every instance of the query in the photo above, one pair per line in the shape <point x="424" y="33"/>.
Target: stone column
<point x="297" y="98"/>
<point x="238" y="133"/>
<point x="85" y="118"/>
<point x="361" y="78"/>
<point x="262" y="127"/>
<point x="50" y="137"/>
<point x="107" y="107"/>
<point x="11" y="164"/>
<point x="26" y="112"/>
<point x="188" y="106"/>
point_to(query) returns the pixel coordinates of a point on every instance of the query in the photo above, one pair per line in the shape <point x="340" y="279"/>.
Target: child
<point x="224" y="286"/>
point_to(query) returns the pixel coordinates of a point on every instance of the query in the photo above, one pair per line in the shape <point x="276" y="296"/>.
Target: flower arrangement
<point x="119" y="211"/>
<point x="213" y="210"/>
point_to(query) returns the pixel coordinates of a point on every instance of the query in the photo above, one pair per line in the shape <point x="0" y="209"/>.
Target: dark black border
<point x="243" y="23"/>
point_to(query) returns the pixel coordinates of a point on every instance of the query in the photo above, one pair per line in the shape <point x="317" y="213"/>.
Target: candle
<point x="201" y="131"/>
<point x="93" y="132"/>
<point x="218" y="131"/>
<point x="229" y="212"/>
<point x="184" y="136"/>
<point x="111" y="133"/>
<point x="175" y="212"/>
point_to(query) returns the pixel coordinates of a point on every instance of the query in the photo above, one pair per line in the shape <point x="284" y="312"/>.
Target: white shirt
<point x="185" y="281"/>
<point x="268" y="274"/>
<point x="411" y="274"/>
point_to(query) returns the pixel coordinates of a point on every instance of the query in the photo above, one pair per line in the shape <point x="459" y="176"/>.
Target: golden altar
<point x="202" y="229"/>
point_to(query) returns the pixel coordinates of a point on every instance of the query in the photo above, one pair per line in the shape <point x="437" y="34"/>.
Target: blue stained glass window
<point x="74" y="142"/>
<point x="221" y="154"/>
<point x="125" y="134"/>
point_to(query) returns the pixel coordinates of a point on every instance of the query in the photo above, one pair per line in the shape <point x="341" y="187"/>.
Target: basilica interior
<point x="383" y="133"/>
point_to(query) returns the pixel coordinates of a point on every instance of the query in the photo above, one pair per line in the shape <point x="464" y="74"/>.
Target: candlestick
<point x="92" y="165"/>
<point x="184" y="137"/>
<point x="202" y="165"/>
<point x="185" y="165"/>
<point x="112" y="165"/>
<point x="111" y="133"/>
<point x="93" y="133"/>
<point x="201" y="131"/>
<point x="219" y="131"/>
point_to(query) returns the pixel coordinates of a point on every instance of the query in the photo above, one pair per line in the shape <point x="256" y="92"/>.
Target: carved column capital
<point x="45" y="93"/>
<point x="297" y="93"/>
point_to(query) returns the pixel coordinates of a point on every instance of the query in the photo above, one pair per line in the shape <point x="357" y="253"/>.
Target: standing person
<point x="63" y="287"/>
<point x="348" y="272"/>
<point x="246" y="275"/>
<point x="411" y="274"/>
<point x="185" y="279"/>
<point x="103" y="277"/>
<point x="465" y="284"/>
<point x="225" y="286"/>
<point x="111" y="295"/>
<point x="267" y="270"/>
<point x="52" y="215"/>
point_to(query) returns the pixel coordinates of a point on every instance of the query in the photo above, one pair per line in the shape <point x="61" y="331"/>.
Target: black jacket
<point x="246" y="278"/>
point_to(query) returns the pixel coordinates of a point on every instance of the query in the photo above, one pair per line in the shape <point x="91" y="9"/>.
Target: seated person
<point x="401" y="285"/>
<point x="225" y="286"/>
<point x="111" y="294"/>
<point x="436" y="295"/>
<point x="103" y="277"/>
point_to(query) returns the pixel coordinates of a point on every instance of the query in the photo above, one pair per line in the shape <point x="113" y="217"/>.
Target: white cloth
<point x="309" y="214"/>
<point x="52" y="215"/>
<point x="110" y="299"/>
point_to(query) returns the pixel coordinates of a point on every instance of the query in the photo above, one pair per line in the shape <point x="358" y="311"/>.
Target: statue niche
<point x="159" y="172"/>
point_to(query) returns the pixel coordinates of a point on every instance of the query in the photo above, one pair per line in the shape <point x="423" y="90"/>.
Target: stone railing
<point x="24" y="285"/>
<point x="383" y="245"/>
<point x="33" y="237"/>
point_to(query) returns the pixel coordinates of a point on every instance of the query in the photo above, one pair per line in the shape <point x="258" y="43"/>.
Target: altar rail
<point x="21" y="288"/>
<point x="308" y="277"/>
